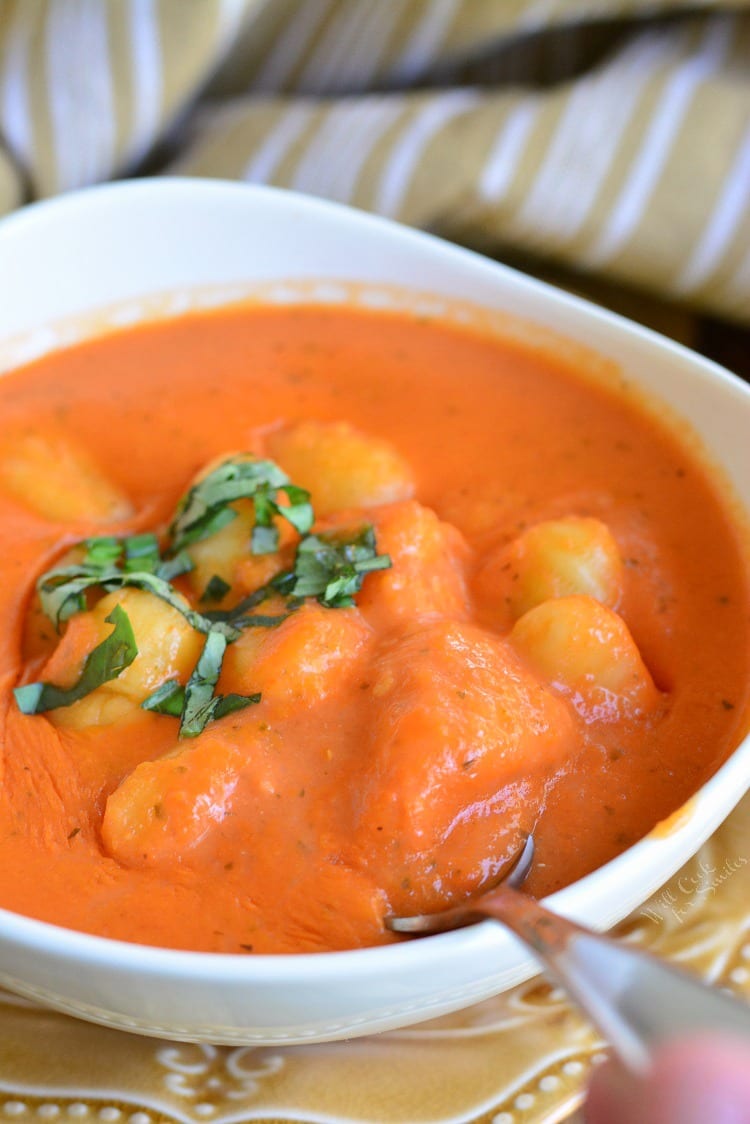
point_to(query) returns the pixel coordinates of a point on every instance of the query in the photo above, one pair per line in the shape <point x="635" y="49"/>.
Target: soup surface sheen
<point x="560" y="643"/>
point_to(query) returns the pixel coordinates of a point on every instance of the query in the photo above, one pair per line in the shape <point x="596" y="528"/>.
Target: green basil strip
<point x="232" y="480"/>
<point x="173" y="568"/>
<point x="264" y="540"/>
<point x="106" y="661"/>
<point x="216" y="589"/>
<point x="199" y="690"/>
<point x="205" y="508"/>
<point x="169" y="699"/>
<point x="102" y="551"/>
<point x="142" y="553"/>
<point x="228" y="704"/>
<point x="299" y="511"/>
<point x="260" y="621"/>
<point x="201" y="705"/>
<point x="338" y="593"/>
<point x="166" y="699"/>
<point x="281" y="584"/>
<point x="61" y="593"/>
<point x="209" y="523"/>
<point x="332" y="567"/>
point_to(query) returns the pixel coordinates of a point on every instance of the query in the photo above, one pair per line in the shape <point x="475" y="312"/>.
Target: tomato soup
<point x="312" y="614"/>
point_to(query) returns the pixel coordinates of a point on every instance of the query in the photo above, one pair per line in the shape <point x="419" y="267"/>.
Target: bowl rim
<point x="57" y="940"/>
<point x="42" y="209"/>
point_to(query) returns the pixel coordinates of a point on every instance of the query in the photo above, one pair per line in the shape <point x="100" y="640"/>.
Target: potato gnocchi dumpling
<point x="341" y="466"/>
<point x="220" y="553"/>
<point x="427" y="577"/>
<point x="555" y="558"/>
<point x="299" y="662"/>
<point x="457" y="717"/>
<point x="58" y="480"/>
<point x="165" y="808"/>
<point x="226" y="555"/>
<point x="585" y="649"/>
<point x="168" y="647"/>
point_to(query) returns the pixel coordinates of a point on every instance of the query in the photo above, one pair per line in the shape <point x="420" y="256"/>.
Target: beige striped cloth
<point x="610" y="136"/>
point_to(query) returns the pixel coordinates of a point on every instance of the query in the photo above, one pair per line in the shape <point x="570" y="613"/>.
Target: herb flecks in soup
<point x="450" y="592"/>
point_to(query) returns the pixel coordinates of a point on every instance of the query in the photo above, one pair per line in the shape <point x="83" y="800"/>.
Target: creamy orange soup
<point x="316" y="613"/>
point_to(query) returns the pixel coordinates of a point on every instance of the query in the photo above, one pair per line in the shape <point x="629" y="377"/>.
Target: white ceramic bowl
<point x="88" y="260"/>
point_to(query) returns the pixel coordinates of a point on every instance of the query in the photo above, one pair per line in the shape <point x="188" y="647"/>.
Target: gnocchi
<point x="554" y="558"/>
<point x="168" y="647"/>
<point x="585" y="650"/>
<point x="459" y="722"/>
<point x="58" y="480"/>
<point x="299" y="662"/>
<point x="226" y="555"/>
<point x="164" y="808"/>
<point x="427" y="577"/>
<point x="341" y="466"/>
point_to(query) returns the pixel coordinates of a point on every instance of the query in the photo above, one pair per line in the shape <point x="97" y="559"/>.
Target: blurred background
<point x="602" y="144"/>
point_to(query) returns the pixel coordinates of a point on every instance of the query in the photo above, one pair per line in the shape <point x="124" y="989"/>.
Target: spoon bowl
<point x="634" y="999"/>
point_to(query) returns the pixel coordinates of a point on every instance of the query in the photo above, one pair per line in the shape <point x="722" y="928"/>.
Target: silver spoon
<point x="635" y="1000"/>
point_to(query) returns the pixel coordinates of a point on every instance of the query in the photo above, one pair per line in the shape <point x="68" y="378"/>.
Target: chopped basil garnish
<point x="116" y="652"/>
<point x="257" y="620"/>
<point x="172" y="568"/>
<point x="134" y="552"/>
<point x="328" y="566"/>
<point x="103" y="551"/>
<point x="205" y="508"/>
<point x="199" y="690"/>
<point x="279" y="585"/>
<point x="62" y="593"/>
<point x="216" y="590"/>
<point x="200" y="702"/>
<point x="332" y="567"/>
<point x="264" y="540"/>
<point x="195" y="704"/>
<point x="141" y="553"/>
<point x="166" y="699"/>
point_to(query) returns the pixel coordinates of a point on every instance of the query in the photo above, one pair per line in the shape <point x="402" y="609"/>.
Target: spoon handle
<point x="634" y="999"/>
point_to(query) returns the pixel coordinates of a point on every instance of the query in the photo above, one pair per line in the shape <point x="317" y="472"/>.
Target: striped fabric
<point x="610" y="136"/>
